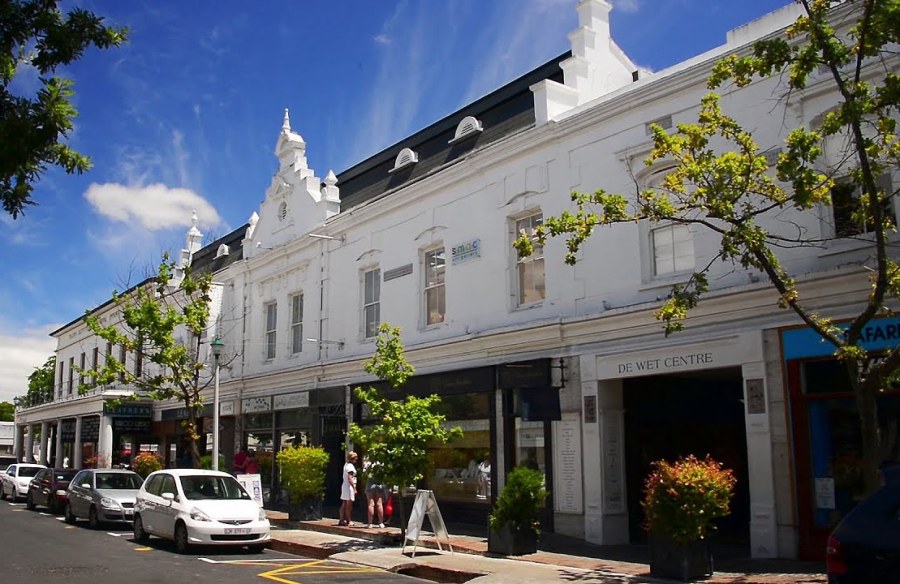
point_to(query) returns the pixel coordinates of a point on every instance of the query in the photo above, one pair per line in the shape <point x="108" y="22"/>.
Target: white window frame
<point x="271" y="328"/>
<point x="674" y="268"/>
<point x="370" y="280"/>
<point x="434" y="282"/>
<point x="296" y="323"/>
<point x="528" y="223"/>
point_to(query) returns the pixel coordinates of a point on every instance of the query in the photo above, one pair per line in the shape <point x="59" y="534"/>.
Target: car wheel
<point x="70" y="517"/>
<point x="140" y="536"/>
<point x="29" y="502"/>
<point x="181" y="539"/>
<point x="93" y="519"/>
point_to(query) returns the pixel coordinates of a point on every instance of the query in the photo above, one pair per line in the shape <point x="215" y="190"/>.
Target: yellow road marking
<point x="302" y="569"/>
<point x="143" y="549"/>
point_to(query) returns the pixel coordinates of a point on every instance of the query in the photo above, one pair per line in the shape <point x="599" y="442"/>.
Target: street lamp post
<point x="216" y="346"/>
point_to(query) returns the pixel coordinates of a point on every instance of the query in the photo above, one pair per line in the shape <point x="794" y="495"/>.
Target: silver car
<point x="102" y="495"/>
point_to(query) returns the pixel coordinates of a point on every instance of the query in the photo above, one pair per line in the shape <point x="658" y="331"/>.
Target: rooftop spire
<point x="286" y="125"/>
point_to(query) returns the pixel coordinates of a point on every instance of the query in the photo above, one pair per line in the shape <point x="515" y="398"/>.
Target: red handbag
<point x="389" y="506"/>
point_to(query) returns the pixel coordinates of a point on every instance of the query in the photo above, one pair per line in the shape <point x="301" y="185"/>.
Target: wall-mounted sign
<point x="255" y="405"/>
<point x="756" y="396"/>
<point x="463" y="252"/>
<point x="128" y="410"/>
<point x="226" y="408"/>
<point x="398" y="272"/>
<point x="290" y="401"/>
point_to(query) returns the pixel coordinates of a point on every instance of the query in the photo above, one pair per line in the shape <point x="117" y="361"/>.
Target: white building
<point x="541" y="363"/>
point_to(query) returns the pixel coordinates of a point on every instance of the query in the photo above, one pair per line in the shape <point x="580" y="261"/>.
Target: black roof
<point x="502" y="112"/>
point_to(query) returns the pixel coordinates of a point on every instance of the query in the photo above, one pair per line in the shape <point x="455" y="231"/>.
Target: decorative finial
<point x="330" y="180"/>
<point x="194" y="218"/>
<point x="286" y="126"/>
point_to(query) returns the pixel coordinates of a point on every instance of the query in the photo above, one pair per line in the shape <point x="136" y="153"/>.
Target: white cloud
<point x="154" y="206"/>
<point x="22" y="351"/>
<point x="627" y="5"/>
<point x="383" y="39"/>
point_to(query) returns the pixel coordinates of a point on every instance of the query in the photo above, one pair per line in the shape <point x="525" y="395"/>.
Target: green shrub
<point x="146" y="462"/>
<point x="682" y="499"/>
<point x="520" y="501"/>
<point x="206" y="462"/>
<point x="303" y="472"/>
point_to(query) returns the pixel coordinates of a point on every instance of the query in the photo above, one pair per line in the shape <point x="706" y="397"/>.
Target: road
<point x="37" y="547"/>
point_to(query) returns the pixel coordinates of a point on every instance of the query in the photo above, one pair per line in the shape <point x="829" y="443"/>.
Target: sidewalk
<point x="583" y="562"/>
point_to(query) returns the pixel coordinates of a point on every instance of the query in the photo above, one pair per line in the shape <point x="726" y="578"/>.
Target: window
<point x="81" y="363"/>
<point x="435" y="296"/>
<point x="530" y="270"/>
<point x="95" y="363"/>
<point x="371" y="301"/>
<point x="123" y="354"/>
<point x="71" y="374"/>
<point x="296" y="323"/>
<point x="62" y="366"/>
<point x="271" y="325"/>
<point x="846" y="203"/>
<point x="139" y="357"/>
<point x="672" y="248"/>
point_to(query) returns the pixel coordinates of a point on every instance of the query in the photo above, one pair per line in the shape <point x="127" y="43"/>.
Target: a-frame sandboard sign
<point x="426" y="504"/>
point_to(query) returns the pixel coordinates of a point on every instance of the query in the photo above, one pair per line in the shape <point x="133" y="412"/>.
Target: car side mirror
<point x="168" y="497"/>
<point x="85" y="485"/>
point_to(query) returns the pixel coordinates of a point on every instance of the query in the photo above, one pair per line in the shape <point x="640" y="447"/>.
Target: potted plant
<point x="514" y="524"/>
<point x="206" y="462"/>
<point x="681" y="501"/>
<point x="302" y="471"/>
<point x="145" y="463"/>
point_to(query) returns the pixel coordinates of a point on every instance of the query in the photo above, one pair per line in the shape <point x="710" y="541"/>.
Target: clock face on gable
<point x="282" y="211"/>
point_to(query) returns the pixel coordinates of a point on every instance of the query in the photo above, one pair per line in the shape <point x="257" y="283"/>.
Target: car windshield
<point x="64" y="475"/>
<point x="118" y="480"/>
<point x="29" y="471"/>
<point x="212" y="487"/>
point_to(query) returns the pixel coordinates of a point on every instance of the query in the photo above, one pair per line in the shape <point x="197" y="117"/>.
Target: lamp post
<point x="216" y="346"/>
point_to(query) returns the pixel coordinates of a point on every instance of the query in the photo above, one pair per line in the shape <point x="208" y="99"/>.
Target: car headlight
<point x="262" y="514"/>
<point x="198" y="515"/>
<point x="110" y="503"/>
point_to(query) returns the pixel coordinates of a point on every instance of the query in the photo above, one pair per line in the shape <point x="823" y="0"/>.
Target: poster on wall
<point x="252" y="483"/>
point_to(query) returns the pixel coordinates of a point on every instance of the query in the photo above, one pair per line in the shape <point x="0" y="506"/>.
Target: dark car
<point x="865" y="545"/>
<point x="49" y="489"/>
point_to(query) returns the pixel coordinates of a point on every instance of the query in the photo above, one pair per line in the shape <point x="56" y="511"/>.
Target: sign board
<point x="426" y="504"/>
<point x="290" y="401"/>
<point x="254" y="405"/>
<point x="252" y="483"/>
<point x="463" y="252"/>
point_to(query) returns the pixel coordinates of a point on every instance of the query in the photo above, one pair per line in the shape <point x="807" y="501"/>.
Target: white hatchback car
<point x="18" y="476"/>
<point x="199" y="507"/>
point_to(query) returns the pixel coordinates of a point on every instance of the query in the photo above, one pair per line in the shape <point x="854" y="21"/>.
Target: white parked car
<point x="15" y="483"/>
<point x="199" y="507"/>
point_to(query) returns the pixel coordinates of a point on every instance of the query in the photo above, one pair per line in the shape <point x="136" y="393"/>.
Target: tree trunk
<point x="870" y="432"/>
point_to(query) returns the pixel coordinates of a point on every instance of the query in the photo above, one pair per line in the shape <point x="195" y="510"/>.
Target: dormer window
<point x="407" y="157"/>
<point x="467" y="128"/>
<point x="222" y="251"/>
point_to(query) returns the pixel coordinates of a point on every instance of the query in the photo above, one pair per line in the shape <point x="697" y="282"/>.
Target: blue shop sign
<point x="803" y="343"/>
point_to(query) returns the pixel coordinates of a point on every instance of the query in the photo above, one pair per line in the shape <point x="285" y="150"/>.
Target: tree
<point x="721" y="182"/>
<point x="398" y="440"/>
<point x="162" y="323"/>
<point x="40" y="383"/>
<point x="7" y="412"/>
<point x="35" y="33"/>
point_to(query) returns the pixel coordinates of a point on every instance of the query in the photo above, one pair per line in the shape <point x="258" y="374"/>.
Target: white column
<point x="29" y="444"/>
<point x="590" y="447"/>
<point x="17" y="442"/>
<point x="76" y="449"/>
<point x="105" y="447"/>
<point x="763" y="521"/>
<point x="498" y="456"/>
<point x="45" y="440"/>
<point x="58" y="459"/>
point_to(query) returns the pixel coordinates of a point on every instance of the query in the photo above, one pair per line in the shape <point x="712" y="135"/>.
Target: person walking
<point x="374" y="493"/>
<point x="251" y="466"/>
<point x="348" y="489"/>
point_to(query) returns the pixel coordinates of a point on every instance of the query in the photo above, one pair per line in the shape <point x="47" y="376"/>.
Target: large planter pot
<point x="306" y="510"/>
<point x="509" y="541"/>
<point x="675" y="561"/>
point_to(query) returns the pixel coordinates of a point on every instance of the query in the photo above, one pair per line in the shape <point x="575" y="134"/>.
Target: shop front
<point x="826" y="429"/>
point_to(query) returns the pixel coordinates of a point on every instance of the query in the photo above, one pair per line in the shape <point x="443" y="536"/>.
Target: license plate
<point x="237" y="530"/>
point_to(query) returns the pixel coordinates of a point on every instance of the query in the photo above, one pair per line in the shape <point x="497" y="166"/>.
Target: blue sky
<point x="185" y="116"/>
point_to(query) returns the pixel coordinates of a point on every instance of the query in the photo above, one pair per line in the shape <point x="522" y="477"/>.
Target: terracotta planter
<point x="684" y="562"/>
<point x="509" y="541"/>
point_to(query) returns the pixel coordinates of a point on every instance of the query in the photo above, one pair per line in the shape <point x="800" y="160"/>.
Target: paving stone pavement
<point x="469" y="562"/>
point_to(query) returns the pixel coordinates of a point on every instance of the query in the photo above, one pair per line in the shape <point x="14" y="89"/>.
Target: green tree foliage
<point x="303" y="472"/>
<point x="721" y="182"/>
<point x="7" y="412"/>
<point x="402" y="431"/>
<point x="162" y="322"/>
<point x="40" y="383"/>
<point x="35" y="33"/>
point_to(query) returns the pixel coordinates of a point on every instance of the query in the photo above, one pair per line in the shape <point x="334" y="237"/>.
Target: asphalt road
<point x="37" y="547"/>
